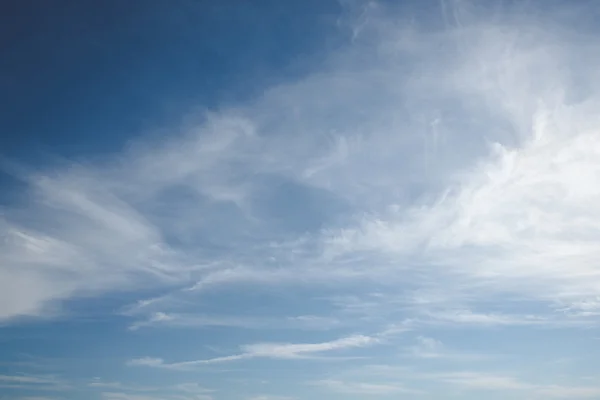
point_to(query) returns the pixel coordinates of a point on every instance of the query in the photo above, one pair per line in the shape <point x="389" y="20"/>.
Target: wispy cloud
<point x="483" y="381"/>
<point x="514" y="210"/>
<point x="98" y="384"/>
<point x="267" y="350"/>
<point x="388" y="377"/>
<point x="467" y="317"/>
<point x="422" y="177"/>
<point x="358" y="388"/>
<point x="34" y="382"/>
<point x="125" y="396"/>
<point x="270" y="397"/>
<point x="174" y="320"/>
<point x="128" y="396"/>
<point x="182" y="391"/>
<point x="37" y="398"/>
<point x="427" y="347"/>
<point x="26" y="379"/>
<point x="476" y="380"/>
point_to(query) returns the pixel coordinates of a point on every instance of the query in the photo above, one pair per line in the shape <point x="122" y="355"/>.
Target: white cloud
<point x="147" y="362"/>
<point x="182" y="391"/>
<point x="569" y="392"/>
<point x="518" y="216"/>
<point x="27" y="379"/>
<point x="267" y="350"/>
<point x="427" y="347"/>
<point x="97" y="383"/>
<point x="111" y="385"/>
<point x="487" y="381"/>
<point x="37" y="398"/>
<point x="476" y="380"/>
<point x="191" y="387"/>
<point x="171" y="320"/>
<point x="523" y="218"/>
<point x="289" y="350"/>
<point x="33" y="382"/>
<point x="270" y="397"/>
<point x="455" y="182"/>
<point x="126" y="396"/>
<point x="370" y="389"/>
<point x="460" y="165"/>
<point x="468" y="317"/>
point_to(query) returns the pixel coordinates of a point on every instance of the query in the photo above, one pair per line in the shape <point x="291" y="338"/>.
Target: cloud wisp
<point x="492" y="382"/>
<point x="426" y="175"/>
<point x="284" y="351"/>
<point x="501" y="144"/>
<point x="361" y="388"/>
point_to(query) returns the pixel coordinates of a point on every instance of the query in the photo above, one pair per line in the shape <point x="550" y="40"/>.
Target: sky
<point x="294" y="200"/>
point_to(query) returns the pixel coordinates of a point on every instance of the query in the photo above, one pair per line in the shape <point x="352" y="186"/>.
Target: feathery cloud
<point x="267" y="350"/>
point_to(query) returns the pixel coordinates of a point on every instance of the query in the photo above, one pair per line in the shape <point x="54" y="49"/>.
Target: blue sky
<point x="276" y="200"/>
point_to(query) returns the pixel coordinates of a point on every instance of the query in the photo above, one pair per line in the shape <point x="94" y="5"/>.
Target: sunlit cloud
<point x="358" y="388"/>
<point x="437" y="176"/>
<point x="266" y="350"/>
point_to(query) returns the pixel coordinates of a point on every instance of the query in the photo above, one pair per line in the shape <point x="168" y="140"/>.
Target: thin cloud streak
<point x="491" y="382"/>
<point x="266" y="350"/>
<point x="174" y="320"/>
<point x="370" y="389"/>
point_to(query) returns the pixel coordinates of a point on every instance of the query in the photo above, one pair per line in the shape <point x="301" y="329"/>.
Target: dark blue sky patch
<point x="82" y="77"/>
